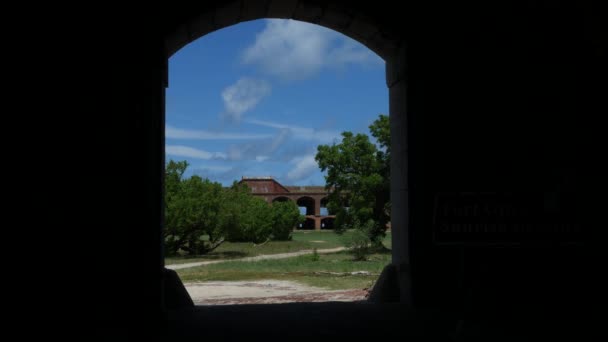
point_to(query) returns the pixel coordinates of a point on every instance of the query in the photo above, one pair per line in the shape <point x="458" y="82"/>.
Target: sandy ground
<point x="265" y="292"/>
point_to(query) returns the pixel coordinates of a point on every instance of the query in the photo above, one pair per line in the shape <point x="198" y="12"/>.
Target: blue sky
<point x="257" y="98"/>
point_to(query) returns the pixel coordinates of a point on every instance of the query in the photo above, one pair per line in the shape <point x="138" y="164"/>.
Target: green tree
<point x="285" y="216"/>
<point x="233" y="200"/>
<point x="358" y="178"/>
<point x="245" y="217"/>
<point x="192" y="209"/>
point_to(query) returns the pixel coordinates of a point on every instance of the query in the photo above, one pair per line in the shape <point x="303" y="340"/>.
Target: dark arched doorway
<point x="280" y="199"/>
<point x="327" y="223"/>
<point x="308" y="224"/>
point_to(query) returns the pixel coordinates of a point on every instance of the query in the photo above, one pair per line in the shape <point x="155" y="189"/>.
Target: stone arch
<point x="308" y="202"/>
<point x="327" y="223"/>
<point x="308" y="224"/>
<point x="323" y="203"/>
<point x="338" y="17"/>
<point x="281" y="199"/>
<point x="355" y="21"/>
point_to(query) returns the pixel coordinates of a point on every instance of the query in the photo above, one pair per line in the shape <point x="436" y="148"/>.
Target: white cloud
<point x="304" y="167"/>
<point x="302" y="133"/>
<point x="260" y="148"/>
<point x="242" y="96"/>
<point x="350" y="52"/>
<point x="295" y="50"/>
<point x="190" y="152"/>
<point x="217" y="173"/>
<point x="215" y="168"/>
<point x="261" y="158"/>
<point x="279" y="139"/>
<point x="177" y="133"/>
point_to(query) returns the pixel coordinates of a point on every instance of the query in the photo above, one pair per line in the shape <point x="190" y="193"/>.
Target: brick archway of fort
<point x="316" y="196"/>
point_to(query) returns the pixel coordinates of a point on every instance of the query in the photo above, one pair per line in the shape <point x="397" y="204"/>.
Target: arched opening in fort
<point x="356" y="26"/>
<point x="308" y="224"/>
<point x="280" y="199"/>
<point x="307" y="205"/>
<point x="327" y="223"/>
<point x="324" y="209"/>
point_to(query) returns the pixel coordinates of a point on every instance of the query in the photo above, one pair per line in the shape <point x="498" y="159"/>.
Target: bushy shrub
<point x="244" y="217"/>
<point x="359" y="241"/>
<point x="285" y="217"/>
<point x="191" y="212"/>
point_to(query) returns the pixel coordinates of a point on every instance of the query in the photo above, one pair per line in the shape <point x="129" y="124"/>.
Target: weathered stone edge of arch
<point x="355" y="25"/>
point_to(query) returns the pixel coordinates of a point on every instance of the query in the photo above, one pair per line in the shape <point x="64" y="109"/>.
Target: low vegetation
<point x="301" y="240"/>
<point x="332" y="271"/>
<point x="200" y="215"/>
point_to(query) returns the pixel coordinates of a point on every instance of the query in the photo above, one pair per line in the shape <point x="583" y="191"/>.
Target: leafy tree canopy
<point x="358" y="179"/>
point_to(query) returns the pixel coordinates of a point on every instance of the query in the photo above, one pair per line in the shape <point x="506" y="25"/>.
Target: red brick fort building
<point x="312" y="197"/>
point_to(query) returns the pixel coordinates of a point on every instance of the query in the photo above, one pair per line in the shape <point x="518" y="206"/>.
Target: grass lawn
<point x="301" y="240"/>
<point x="302" y="269"/>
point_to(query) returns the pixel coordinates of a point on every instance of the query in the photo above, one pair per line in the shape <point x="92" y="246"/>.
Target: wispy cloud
<point x="177" y="133"/>
<point x="349" y="51"/>
<point x="190" y="152"/>
<point x="254" y="150"/>
<point x="221" y="174"/>
<point x="242" y="96"/>
<point x="214" y="168"/>
<point x="304" y="167"/>
<point x="298" y="132"/>
<point x="295" y="50"/>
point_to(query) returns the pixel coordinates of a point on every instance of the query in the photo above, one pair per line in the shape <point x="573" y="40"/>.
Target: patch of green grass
<point x="301" y="269"/>
<point x="329" y="238"/>
<point x="302" y="240"/>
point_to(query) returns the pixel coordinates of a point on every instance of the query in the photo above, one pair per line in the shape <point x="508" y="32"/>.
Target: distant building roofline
<point x="257" y="178"/>
<point x="286" y="188"/>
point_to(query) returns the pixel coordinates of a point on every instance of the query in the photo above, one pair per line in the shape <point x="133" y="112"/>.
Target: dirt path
<point x="265" y="292"/>
<point x="255" y="258"/>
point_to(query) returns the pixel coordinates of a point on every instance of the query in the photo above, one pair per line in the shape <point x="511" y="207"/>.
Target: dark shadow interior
<point x="308" y="224"/>
<point x="327" y="223"/>
<point x="280" y="199"/>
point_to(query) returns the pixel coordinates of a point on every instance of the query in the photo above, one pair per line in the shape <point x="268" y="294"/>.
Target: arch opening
<point x="280" y="199"/>
<point x="324" y="209"/>
<point x="308" y="224"/>
<point x="327" y="223"/>
<point x="308" y="204"/>
<point x="382" y="46"/>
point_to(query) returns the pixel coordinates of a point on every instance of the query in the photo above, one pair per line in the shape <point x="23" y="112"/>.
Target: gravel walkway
<point x="266" y="292"/>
